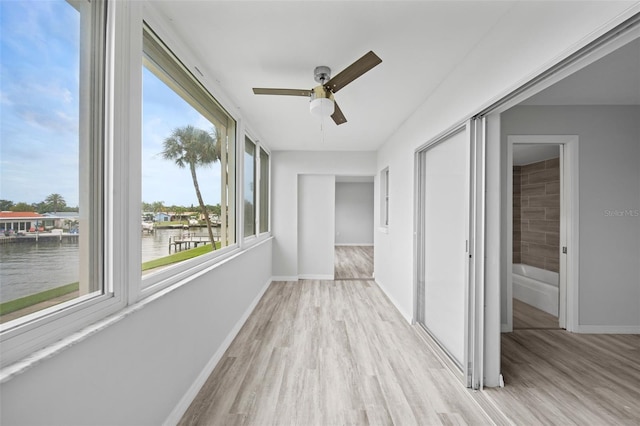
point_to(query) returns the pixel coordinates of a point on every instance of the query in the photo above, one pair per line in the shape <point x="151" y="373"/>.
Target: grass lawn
<point x="25" y="302"/>
<point x="178" y="257"/>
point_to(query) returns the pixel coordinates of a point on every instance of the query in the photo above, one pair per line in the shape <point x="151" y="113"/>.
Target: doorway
<point x="354" y="208"/>
<point x="542" y="209"/>
<point x="536" y="235"/>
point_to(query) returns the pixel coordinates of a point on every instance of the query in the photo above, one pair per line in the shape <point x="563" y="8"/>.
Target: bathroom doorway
<point x="540" y="197"/>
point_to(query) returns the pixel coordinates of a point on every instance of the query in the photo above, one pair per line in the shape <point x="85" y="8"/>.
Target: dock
<point x="189" y="240"/>
<point x="39" y="236"/>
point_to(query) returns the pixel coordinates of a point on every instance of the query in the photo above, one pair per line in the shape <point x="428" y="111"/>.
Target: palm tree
<point x="55" y="201"/>
<point x="193" y="147"/>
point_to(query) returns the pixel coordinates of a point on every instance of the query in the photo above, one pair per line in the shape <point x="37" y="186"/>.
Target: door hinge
<point x="564" y="250"/>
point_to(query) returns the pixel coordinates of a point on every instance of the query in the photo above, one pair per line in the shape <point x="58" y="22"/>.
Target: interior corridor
<point x="330" y="353"/>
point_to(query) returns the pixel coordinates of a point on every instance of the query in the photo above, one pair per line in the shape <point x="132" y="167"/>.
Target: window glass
<point x="264" y="191"/>
<point x="51" y="155"/>
<point x="187" y="164"/>
<point x="249" y="188"/>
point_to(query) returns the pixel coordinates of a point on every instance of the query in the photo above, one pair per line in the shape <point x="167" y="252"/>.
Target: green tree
<point x="5" y="205"/>
<point x="157" y="206"/>
<point x="22" y="207"/>
<point x="55" y="202"/>
<point x="191" y="147"/>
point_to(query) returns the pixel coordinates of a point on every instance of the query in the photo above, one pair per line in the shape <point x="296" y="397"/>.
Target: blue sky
<point x="38" y="100"/>
<point x="39" y="44"/>
<point x="162" y="180"/>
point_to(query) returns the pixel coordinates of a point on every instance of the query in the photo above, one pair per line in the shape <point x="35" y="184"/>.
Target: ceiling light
<point x="322" y="107"/>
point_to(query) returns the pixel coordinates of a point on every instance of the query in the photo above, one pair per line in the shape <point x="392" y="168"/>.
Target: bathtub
<point x="536" y="287"/>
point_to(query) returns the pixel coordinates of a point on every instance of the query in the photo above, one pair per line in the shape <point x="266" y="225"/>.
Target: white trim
<point x="315" y="277"/>
<point x="608" y="329"/>
<point x="284" y="278"/>
<point x="355" y="245"/>
<point x="182" y="406"/>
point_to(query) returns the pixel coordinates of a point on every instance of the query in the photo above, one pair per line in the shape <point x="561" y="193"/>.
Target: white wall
<point x="354" y="213"/>
<point x="136" y="371"/>
<point x="531" y="37"/>
<point x="609" y="181"/>
<point x="316" y="224"/>
<point x="286" y="166"/>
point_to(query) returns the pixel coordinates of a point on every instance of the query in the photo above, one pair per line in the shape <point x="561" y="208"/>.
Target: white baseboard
<point x="608" y="329"/>
<point x="182" y="406"/>
<point x="285" y="278"/>
<point x="355" y="245"/>
<point x="408" y="318"/>
<point x="504" y="328"/>
<point x="315" y="277"/>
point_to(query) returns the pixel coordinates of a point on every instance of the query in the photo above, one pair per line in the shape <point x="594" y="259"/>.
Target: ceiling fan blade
<point x="286" y="92"/>
<point x="338" y="116"/>
<point x="353" y="71"/>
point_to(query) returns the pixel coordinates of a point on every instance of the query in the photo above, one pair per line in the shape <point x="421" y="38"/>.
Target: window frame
<point x="259" y="235"/>
<point x="260" y="232"/>
<point x="25" y="335"/>
<point x="156" y="281"/>
<point x="255" y="166"/>
<point x="26" y="342"/>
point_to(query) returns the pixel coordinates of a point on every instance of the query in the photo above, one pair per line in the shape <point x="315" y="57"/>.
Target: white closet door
<point x="446" y="239"/>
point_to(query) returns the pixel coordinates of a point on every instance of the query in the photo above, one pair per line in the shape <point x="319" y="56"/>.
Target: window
<point x="188" y="164"/>
<point x="51" y="224"/>
<point x="384" y="198"/>
<point x="249" y="188"/>
<point x="264" y="191"/>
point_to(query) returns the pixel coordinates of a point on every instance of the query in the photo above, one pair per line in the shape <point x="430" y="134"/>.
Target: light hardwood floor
<point x="330" y="353"/>
<point x="338" y="352"/>
<point x="353" y="262"/>
<point x="527" y="317"/>
<point x="553" y="377"/>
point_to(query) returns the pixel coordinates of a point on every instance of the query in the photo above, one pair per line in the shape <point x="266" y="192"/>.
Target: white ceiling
<point x="246" y="44"/>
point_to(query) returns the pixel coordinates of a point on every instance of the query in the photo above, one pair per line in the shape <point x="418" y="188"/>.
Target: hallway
<point x="330" y="353"/>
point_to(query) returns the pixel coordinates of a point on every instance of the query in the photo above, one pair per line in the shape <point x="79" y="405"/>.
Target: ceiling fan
<point x="322" y="99"/>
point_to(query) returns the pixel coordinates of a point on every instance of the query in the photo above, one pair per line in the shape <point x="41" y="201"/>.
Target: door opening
<point x="354" y="224"/>
<point x="540" y="205"/>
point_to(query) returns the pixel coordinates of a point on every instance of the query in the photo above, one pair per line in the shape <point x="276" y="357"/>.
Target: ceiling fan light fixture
<point x="322" y="107"/>
<point x="321" y="103"/>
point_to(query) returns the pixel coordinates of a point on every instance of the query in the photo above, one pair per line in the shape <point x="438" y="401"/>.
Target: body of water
<point x="29" y="267"/>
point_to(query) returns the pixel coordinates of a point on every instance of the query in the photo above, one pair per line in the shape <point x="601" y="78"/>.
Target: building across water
<point x="15" y="222"/>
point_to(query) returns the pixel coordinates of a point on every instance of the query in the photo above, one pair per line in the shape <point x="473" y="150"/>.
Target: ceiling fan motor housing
<point x="322" y="74"/>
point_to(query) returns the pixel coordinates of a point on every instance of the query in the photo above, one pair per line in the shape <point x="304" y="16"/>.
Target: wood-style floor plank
<point x="353" y="262"/>
<point x="554" y="377"/>
<point x="526" y="316"/>
<point x="330" y="353"/>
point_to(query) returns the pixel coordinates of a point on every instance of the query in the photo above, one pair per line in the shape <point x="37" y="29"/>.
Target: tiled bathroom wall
<point x="536" y="214"/>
